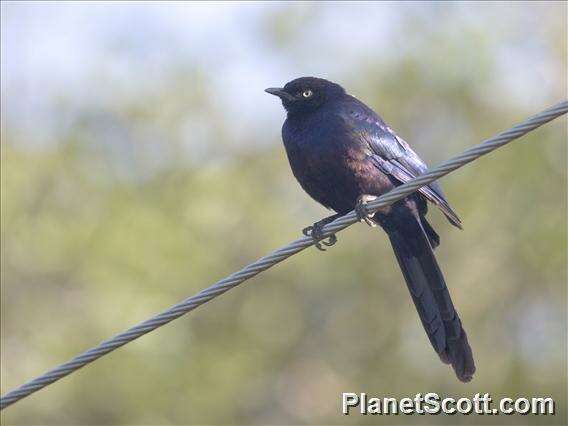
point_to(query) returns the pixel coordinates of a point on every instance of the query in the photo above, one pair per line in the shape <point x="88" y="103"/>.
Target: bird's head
<point x="306" y="94"/>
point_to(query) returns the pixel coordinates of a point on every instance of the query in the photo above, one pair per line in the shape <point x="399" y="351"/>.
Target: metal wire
<point x="278" y="256"/>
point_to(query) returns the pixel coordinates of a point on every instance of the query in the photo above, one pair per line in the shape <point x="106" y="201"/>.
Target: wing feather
<point x="393" y="155"/>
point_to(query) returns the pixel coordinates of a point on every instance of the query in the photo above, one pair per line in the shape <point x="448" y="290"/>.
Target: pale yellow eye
<point x="307" y="93"/>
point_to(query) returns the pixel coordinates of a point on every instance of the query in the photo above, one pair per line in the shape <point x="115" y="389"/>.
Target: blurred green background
<point x="142" y="161"/>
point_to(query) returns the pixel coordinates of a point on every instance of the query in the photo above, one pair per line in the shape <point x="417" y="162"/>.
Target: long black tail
<point x="413" y="247"/>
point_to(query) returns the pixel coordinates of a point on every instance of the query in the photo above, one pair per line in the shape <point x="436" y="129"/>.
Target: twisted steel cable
<point x="278" y="256"/>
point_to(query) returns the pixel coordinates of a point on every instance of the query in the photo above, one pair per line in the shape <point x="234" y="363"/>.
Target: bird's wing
<point x="393" y="155"/>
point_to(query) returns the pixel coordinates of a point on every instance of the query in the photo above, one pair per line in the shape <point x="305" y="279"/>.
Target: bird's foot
<point x="361" y="209"/>
<point x="316" y="233"/>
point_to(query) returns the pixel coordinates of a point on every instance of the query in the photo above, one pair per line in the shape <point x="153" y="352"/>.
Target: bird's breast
<point x="329" y="166"/>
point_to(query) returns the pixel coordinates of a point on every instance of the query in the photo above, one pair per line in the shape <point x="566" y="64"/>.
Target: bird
<point x="344" y="155"/>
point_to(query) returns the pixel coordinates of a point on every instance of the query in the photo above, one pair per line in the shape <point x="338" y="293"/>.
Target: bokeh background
<point x="142" y="161"/>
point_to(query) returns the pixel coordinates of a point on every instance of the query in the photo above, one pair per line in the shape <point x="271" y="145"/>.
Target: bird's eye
<point x="307" y="93"/>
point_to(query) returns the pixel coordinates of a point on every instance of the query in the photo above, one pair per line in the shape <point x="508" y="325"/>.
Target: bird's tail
<point x="413" y="249"/>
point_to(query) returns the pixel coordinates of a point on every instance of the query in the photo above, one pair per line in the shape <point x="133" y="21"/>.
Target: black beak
<point x="281" y="93"/>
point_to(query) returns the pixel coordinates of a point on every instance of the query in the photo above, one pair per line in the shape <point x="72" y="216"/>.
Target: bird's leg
<point x="316" y="232"/>
<point x="361" y="209"/>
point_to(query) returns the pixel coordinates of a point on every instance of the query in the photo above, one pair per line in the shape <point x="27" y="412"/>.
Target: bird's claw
<point x="316" y="233"/>
<point x="361" y="210"/>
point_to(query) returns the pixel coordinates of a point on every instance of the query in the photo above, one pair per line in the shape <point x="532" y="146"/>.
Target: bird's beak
<point x="281" y="93"/>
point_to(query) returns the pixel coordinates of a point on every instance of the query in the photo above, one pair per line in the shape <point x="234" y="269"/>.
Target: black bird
<point x="343" y="155"/>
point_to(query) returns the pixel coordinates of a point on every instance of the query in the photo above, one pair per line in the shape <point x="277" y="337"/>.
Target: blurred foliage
<point x="150" y="196"/>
